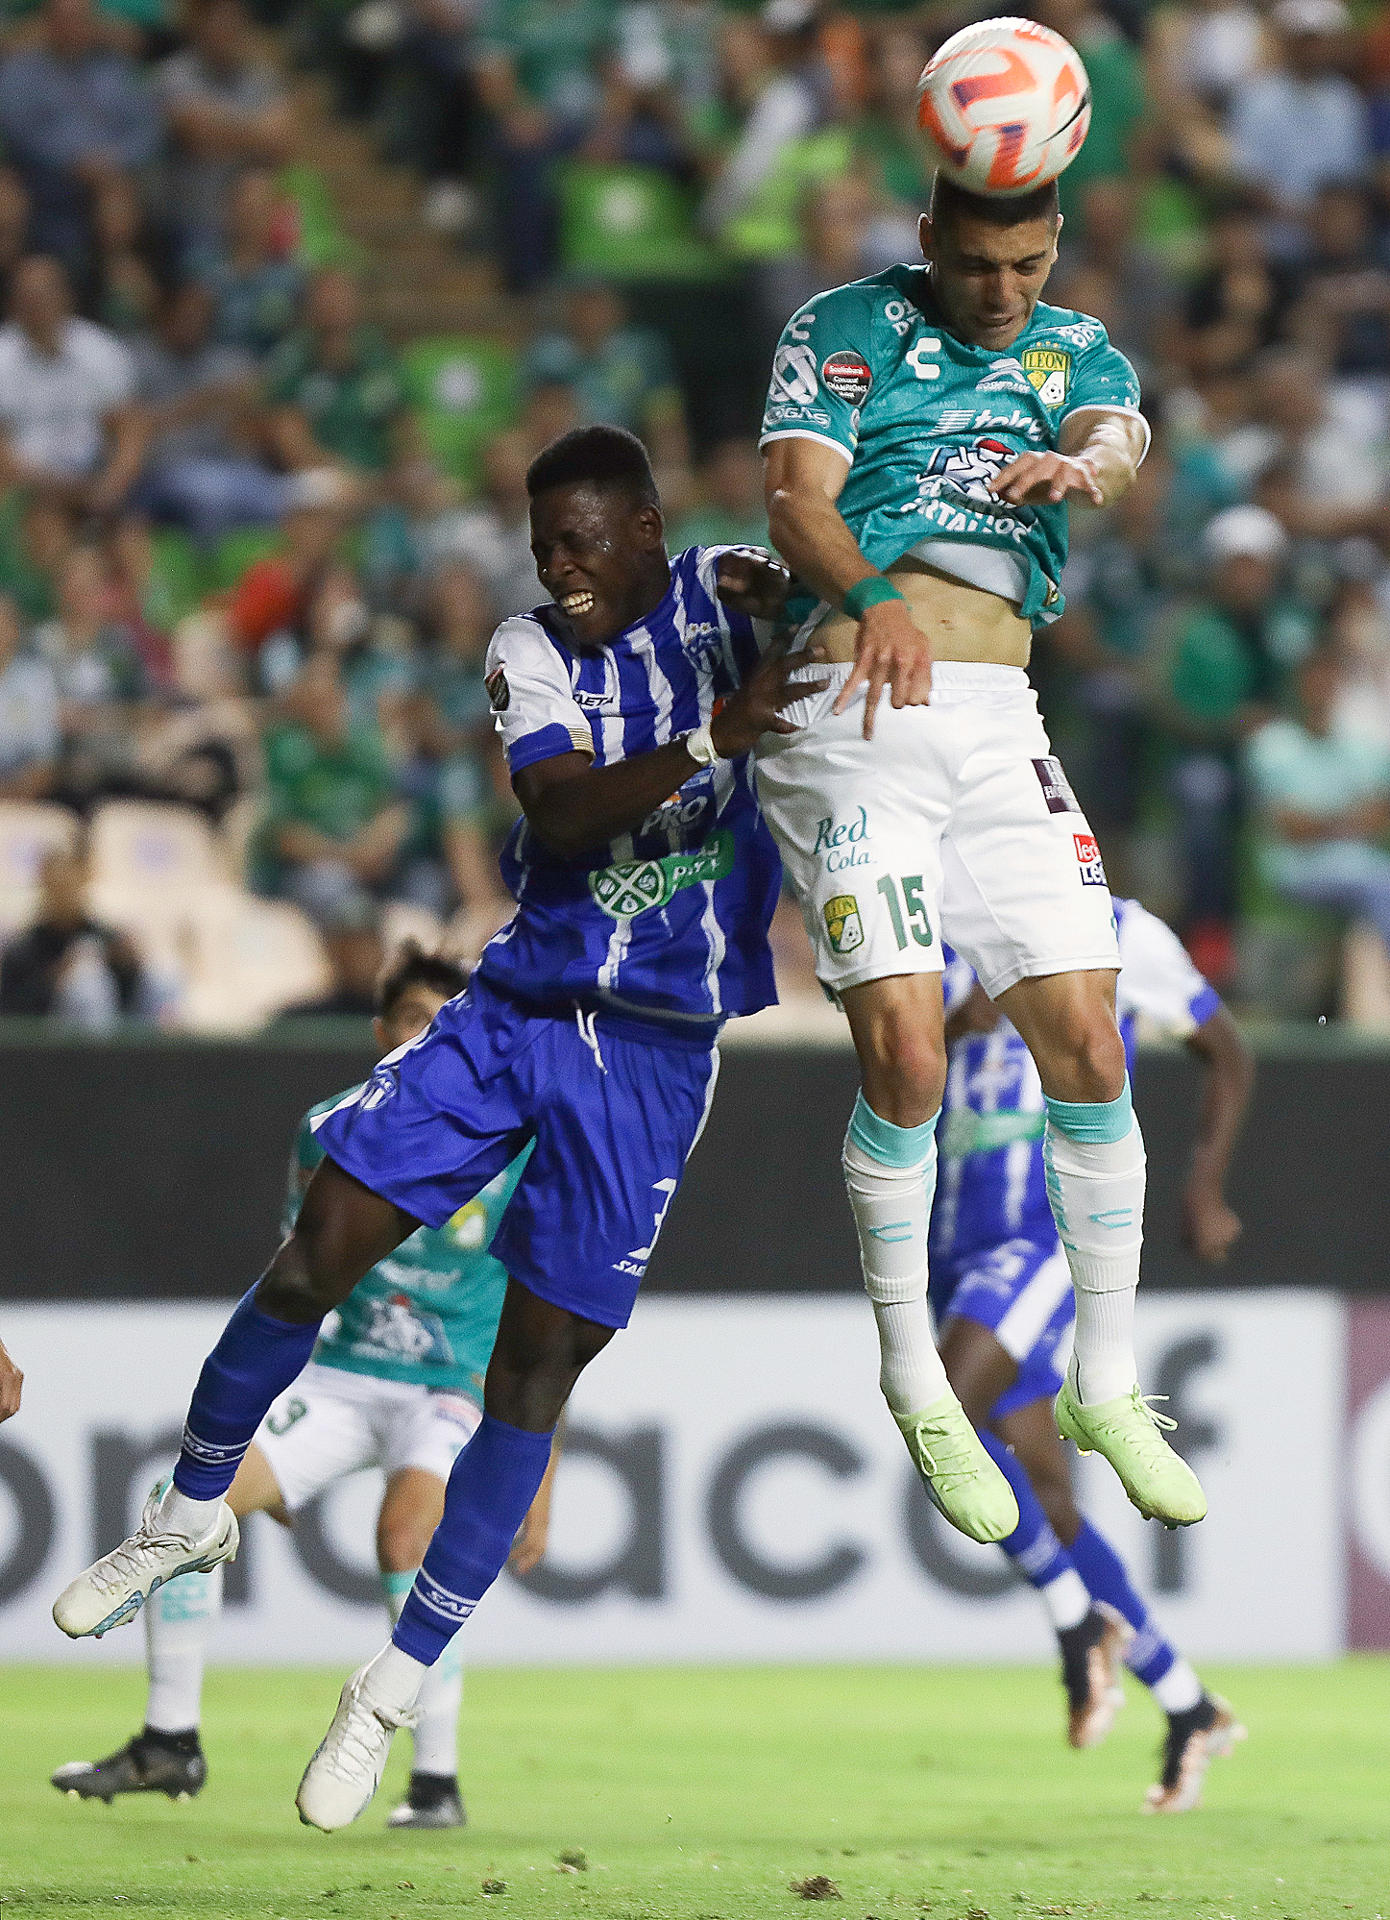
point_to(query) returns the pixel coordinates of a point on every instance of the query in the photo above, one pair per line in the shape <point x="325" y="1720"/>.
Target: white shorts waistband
<point x="950" y="679"/>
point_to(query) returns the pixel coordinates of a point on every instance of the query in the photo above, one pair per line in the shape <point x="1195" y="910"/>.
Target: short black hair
<point x="607" y="457"/>
<point x="411" y="966"/>
<point x="950" y="202"/>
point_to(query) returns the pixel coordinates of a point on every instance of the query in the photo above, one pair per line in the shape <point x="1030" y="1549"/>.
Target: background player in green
<point x="396" y="1381"/>
<point x="926" y="430"/>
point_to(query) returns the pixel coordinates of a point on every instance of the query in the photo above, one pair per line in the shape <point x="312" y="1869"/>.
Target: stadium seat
<point x="322" y="241"/>
<point x="179" y="572"/>
<point x="29" y="830"/>
<point x="235" y="552"/>
<point x="630" y="223"/>
<point x="401" y="920"/>
<point x="465" y="389"/>
<point x="159" y="851"/>
<point x="249" y="958"/>
<point x="471" y="928"/>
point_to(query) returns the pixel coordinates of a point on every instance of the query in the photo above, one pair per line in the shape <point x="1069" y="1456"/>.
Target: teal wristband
<point x="867" y="593"/>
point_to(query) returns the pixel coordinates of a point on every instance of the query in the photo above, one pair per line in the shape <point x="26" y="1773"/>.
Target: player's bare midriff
<point x="962" y="622"/>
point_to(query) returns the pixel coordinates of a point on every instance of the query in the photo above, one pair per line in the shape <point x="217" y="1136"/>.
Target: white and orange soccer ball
<point x="1006" y="105"/>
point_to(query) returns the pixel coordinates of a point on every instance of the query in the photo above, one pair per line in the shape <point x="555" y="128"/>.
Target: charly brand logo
<point x="636" y="886"/>
<point x="840" y="843"/>
<point x="843" y="926"/>
<point x="1049" y="370"/>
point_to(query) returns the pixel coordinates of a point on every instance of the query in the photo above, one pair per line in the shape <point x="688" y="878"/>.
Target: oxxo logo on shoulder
<point x="840" y="843"/>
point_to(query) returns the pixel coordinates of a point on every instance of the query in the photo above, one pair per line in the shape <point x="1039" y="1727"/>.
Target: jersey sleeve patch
<point x="822" y="373"/>
<point x="847" y="375"/>
<point x="533" y="703"/>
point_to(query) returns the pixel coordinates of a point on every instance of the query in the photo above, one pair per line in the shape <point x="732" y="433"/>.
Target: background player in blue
<point x="396" y="1381"/>
<point x="926" y="431"/>
<point x="1003" y="1298"/>
<point x="645" y="882"/>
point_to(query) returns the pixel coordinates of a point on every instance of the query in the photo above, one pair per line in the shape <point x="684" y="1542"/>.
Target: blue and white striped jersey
<point x="991" y="1186"/>
<point x="670" y="921"/>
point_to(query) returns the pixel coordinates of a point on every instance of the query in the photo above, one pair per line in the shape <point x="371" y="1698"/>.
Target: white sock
<point x="191" y="1518"/>
<point x="393" y="1679"/>
<point x="1097" y="1194"/>
<point x="439" y="1699"/>
<point x="179" y="1622"/>
<point x="1179" y="1690"/>
<point x="891" y="1206"/>
<point x="1067" y="1600"/>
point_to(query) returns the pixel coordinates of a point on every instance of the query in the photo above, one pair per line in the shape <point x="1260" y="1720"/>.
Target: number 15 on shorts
<point x="908" y="915"/>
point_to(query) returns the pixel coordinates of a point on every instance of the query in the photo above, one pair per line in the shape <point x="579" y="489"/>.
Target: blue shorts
<point x="614" y="1106"/>
<point x="1021" y="1292"/>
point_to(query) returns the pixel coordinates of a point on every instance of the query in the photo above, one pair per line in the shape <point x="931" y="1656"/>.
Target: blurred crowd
<point x="252" y="546"/>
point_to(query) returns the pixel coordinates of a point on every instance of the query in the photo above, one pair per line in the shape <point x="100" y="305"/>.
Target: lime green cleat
<point x="1127" y="1433"/>
<point x="962" y="1481"/>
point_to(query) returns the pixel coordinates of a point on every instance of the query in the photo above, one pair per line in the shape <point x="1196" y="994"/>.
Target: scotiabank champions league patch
<point x="498" y="691"/>
<point x="847" y="376"/>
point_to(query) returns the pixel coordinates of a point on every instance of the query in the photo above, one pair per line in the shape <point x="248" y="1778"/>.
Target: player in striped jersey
<point x="1001" y="1289"/>
<point x="645" y="881"/>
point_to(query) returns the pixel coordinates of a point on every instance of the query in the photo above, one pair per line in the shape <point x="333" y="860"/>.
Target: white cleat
<point x="346" y="1771"/>
<point x="114" y="1589"/>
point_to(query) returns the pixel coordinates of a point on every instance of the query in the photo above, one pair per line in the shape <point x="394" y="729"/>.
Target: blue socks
<point x="255" y="1359"/>
<point x="1032" y="1546"/>
<point x="1042" y="1559"/>
<point x="493" y="1483"/>
<point x="1150" y="1655"/>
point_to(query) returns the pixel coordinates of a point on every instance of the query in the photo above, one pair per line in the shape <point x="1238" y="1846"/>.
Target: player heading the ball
<point x="926" y="431"/>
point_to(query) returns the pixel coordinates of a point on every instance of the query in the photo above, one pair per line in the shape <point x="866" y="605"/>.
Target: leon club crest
<point x="1049" y="370"/>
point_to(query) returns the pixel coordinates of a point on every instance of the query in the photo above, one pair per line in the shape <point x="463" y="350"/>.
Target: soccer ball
<point x="1006" y="104"/>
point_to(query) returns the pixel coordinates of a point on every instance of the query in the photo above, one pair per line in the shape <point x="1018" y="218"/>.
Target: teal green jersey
<point x="428" y="1313"/>
<point x="927" y="421"/>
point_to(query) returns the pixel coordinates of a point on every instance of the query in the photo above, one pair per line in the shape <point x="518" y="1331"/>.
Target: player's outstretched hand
<point x="1039" y="479"/>
<point x="757" y="706"/>
<point x="1210" y="1228"/>
<point x="11" y="1385"/>
<point x="753" y="583"/>
<point x="891" y="651"/>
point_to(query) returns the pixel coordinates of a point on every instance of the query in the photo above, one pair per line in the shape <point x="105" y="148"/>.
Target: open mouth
<point x="578" y="603"/>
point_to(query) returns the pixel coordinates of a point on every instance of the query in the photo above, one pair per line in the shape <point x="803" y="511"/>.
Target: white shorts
<point x="332" y="1422"/>
<point x="954" y="818"/>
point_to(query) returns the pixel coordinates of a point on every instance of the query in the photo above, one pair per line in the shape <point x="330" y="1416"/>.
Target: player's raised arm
<point x="1210" y="1226"/>
<point x="805" y="478"/>
<point x="1100" y="451"/>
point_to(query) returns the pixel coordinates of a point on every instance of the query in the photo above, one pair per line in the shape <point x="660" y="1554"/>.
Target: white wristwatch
<point x="699" y="744"/>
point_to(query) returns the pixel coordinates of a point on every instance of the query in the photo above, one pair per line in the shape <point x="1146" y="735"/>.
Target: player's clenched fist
<point x="757" y="706"/>
<point x="11" y="1385"/>
<point x="891" y="651"/>
<point x="1051" y="477"/>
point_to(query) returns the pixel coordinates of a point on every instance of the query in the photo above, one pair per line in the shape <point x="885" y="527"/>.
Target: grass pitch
<point x="702" y="1794"/>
